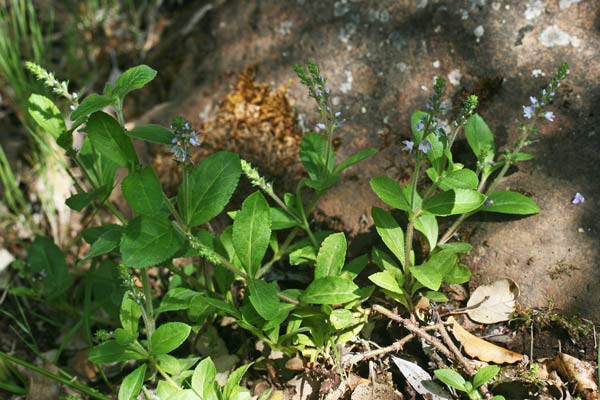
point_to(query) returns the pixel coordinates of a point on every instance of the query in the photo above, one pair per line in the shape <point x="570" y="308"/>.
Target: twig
<point x="458" y="355"/>
<point x="414" y="328"/>
<point x="395" y="347"/>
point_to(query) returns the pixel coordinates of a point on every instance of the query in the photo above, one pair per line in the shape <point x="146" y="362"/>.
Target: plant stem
<point x="149" y="311"/>
<point x="305" y="224"/>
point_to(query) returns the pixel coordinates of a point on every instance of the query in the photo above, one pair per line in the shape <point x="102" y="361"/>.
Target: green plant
<point x="454" y="190"/>
<point x="455" y="380"/>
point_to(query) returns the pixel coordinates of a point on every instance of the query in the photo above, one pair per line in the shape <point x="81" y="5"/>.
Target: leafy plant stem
<point x="330" y="129"/>
<point x="219" y="259"/>
<point x="119" y="112"/>
<point x="75" y="385"/>
<point x="520" y="142"/>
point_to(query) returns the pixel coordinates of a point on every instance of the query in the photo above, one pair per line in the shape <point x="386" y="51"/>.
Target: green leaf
<point x="390" y="232"/>
<point x="46" y="259"/>
<point x="485" y="374"/>
<point x="134" y="78"/>
<point x="143" y="192"/>
<point x="384" y="261"/>
<point x="149" y="241"/>
<point x="252" y="231"/>
<point x="387" y="280"/>
<point x="479" y="137"/>
<point x="232" y="386"/>
<point x="263" y="297"/>
<point x="100" y="170"/>
<point x="153" y="133"/>
<point x="177" y="299"/>
<point x="354" y="159"/>
<point x="458" y="274"/>
<point x="435" y="296"/>
<point x="435" y="269"/>
<point x="437" y="152"/>
<point x="106" y="243"/>
<point x="129" y="315"/>
<point x="331" y="257"/>
<point x="457" y="247"/>
<point x="461" y="179"/>
<point x="341" y="318"/>
<point x="110" y="351"/>
<point x="428" y="226"/>
<point x="168" y="337"/>
<point x="109" y="139"/>
<point x="455" y="201"/>
<point x="523" y="157"/>
<point x="211" y="184"/>
<point x="330" y="290"/>
<point x="132" y="384"/>
<point x="203" y="379"/>
<point x="390" y="192"/>
<point x="223" y="307"/>
<point x="79" y="201"/>
<point x="43" y="111"/>
<point x="281" y="220"/>
<point x="451" y="378"/>
<point x="507" y="202"/>
<point x="90" y="105"/>
<point x="312" y="150"/>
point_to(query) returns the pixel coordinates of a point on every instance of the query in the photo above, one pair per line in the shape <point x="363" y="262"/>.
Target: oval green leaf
<point x="168" y="337"/>
<point x="109" y="139"/>
<point x="252" y="231"/>
<point x="390" y="232"/>
<point x="507" y="202"/>
<point x="143" y="192"/>
<point x="331" y="257"/>
<point x="455" y="201"/>
<point x="132" y="384"/>
<point x="390" y="192"/>
<point x="330" y="290"/>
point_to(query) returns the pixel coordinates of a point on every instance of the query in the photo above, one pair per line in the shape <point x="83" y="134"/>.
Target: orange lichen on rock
<point x="259" y="123"/>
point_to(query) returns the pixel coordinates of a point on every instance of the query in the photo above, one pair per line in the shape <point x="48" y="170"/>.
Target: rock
<point x="378" y="59"/>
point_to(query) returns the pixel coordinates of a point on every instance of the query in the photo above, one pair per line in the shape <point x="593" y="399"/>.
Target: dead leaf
<point x="481" y="349"/>
<point x="420" y="380"/>
<point x="575" y="370"/>
<point x="493" y="303"/>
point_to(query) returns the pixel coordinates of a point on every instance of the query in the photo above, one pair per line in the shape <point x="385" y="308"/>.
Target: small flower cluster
<point x="58" y="87"/>
<point x="318" y="90"/>
<point x="429" y="122"/>
<point x="185" y="138"/>
<point x="547" y="96"/>
<point x="466" y="111"/>
<point x="254" y="177"/>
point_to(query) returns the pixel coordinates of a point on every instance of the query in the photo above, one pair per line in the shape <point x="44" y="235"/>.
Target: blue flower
<point x="549" y="115"/>
<point x="424" y="146"/>
<point x="488" y="202"/>
<point x="408" y="145"/>
<point x="321" y="126"/>
<point x="420" y="126"/>
<point x="577" y="199"/>
<point x="533" y="101"/>
<point x="528" y="111"/>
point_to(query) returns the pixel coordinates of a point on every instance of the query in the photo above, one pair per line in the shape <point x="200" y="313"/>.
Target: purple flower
<point x="549" y="115"/>
<point x="428" y="106"/>
<point x="424" y="146"/>
<point x="488" y="202"/>
<point x="321" y="126"/>
<point x="337" y="114"/>
<point x="408" y="145"/>
<point x="533" y="101"/>
<point x="577" y="199"/>
<point x="420" y="126"/>
<point x="327" y="91"/>
<point x="528" y="111"/>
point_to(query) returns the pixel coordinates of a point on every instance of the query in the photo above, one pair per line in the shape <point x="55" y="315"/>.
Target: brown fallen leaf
<point x="481" y="349"/>
<point x="575" y="370"/>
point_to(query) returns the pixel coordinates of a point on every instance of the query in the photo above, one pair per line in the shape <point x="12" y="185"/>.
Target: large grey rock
<point x="381" y="58"/>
